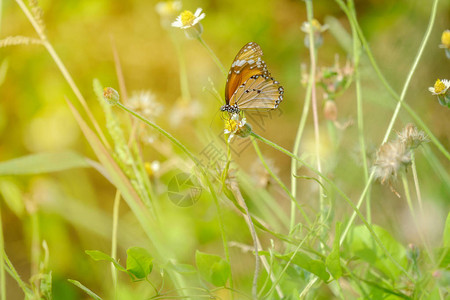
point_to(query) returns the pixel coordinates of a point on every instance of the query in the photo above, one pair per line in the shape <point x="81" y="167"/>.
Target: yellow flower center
<point x="231" y="125"/>
<point x="445" y="38"/>
<point x="316" y="25"/>
<point x="187" y="18"/>
<point x="439" y="86"/>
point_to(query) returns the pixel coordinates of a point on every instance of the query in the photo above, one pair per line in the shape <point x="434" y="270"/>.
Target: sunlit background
<point x="74" y="207"/>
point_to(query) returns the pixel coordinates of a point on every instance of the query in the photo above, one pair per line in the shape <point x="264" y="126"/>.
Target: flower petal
<point x="198" y="12"/>
<point x="177" y="23"/>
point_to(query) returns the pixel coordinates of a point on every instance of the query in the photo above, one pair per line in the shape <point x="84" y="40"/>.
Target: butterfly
<point x="249" y="84"/>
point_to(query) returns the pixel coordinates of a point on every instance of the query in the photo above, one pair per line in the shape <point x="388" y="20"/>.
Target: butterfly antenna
<point x="210" y="124"/>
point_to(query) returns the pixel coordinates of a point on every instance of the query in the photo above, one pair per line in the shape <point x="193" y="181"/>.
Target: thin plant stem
<point x="395" y="96"/>
<point x="397" y="109"/>
<point x="162" y="131"/>
<point x="184" y="84"/>
<point x="286" y="266"/>
<point x="197" y="163"/>
<point x="251" y="227"/>
<point x="114" y="239"/>
<point x="120" y="77"/>
<point x="2" y="261"/>
<point x="222" y="232"/>
<point x="360" y="114"/>
<point x="312" y="80"/>
<point x="280" y="183"/>
<point x="298" y="137"/>
<point x="63" y="70"/>
<point x="416" y="181"/>
<point x="1" y="17"/>
<point x="344" y="196"/>
<point x="13" y="272"/>
<point x="213" y="56"/>
<point x="414" y="216"/>
<point x="35" y="246"/>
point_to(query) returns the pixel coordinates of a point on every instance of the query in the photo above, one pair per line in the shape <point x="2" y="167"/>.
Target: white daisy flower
<point x="440" y="87"/>
<point x="234" y="125"/>
<point x="187" y="19"/>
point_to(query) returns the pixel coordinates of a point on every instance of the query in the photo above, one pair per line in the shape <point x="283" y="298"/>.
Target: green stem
<point x="114" y="239"/>
<point x="35" y="249"/>
<point x="184" y="85"/>
<point x="280" y="183"/>
<point x="213" y="56"/>
<point x="298" y="137"/>
<point x="162" y="131"/>
<point x="251" y="227"/>
<point x="283" y="271"/>
<point x="198" y="164"/>
<point x="400" y="101"/>
<point x="344" y="196"/>
<point x="1" y="14"/>
<point x="312" y="81"/>
<point x="416" y="182"/>
<point x="2" y="261"/>
<point x="360" y="113"/>
<point x="222" y="231"/>
<point x="63" y="70"/>
<point x="395" y="96"/>
<point x="413" y="214"/>
<point x="13" y="272"/>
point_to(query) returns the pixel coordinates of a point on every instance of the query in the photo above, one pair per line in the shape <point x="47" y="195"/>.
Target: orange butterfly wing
<point x="249" y="85"/>
<point x="247" y="63"/>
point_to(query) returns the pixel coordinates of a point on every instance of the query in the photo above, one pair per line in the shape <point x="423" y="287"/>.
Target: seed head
<point x="390" y="158"/>
<point x="145" y="104"/>
<point x="412" y="137"/>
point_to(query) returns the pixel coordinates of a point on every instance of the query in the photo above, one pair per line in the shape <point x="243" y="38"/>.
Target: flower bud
<point x="445" y="39"/>
<point x="330" y="110"/>
<point x="111" y="95"/>
<point x="244" y="131"/>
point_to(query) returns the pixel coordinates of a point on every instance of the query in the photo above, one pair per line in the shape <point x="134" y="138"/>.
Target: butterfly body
<point x="249" y="84"/>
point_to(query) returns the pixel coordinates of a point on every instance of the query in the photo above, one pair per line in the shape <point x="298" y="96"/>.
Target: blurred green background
<point x="74" y="207"/>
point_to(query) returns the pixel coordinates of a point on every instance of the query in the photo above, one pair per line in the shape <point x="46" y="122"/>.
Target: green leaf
<point x="100" y="256"/>
<point x="444" y="257"/>
<point x="212" y="268"/>
<point x="446" y="237"/>
<point x="46" y="286"/>
<point x="317" y="267"/>
<point x="180" y="268"/>
<point x="333" y="260"/>
<point x="43" y="163"/>
<point x="115" y="174"/>
<point x="85" y="289"/>
<point x="12" y="196"/>
<point x="360" y="244"/>
<point x="139" y="262"/>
